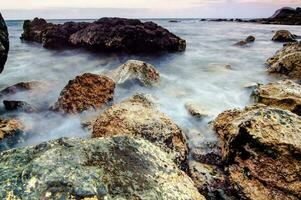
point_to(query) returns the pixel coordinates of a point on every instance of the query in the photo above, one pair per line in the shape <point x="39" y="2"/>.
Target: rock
<point x="246" y="41"/>
<point x="211" y="181"/>
<point x="10" y="130"/>
<point x="111" y="168"/>
<point x="208" y="153"/>
<point x="20" y="87"/>
<point x="284" y="36"/>
<point x="4" y="43"/>
<point x="196" y="111"/>
<point x="174" y="21"/>
<point x="287" y="61"/>
<point x="137" y="70"/>
<point x="88" y="91"/>
<point x="284" y="94"/>
<point x="22" y="106"/>
<point x="138" y="117"/>
<point x="261" y="146"/>
<point x="105" y="34"/>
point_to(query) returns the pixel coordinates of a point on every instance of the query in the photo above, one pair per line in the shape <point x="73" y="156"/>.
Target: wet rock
<point x="111" y="168"/>
<point x="261" y="146"/>
<point x="88" y="91"/>
<point x="284" y="94"/>
<point x="287" y="61"/>
<point x="196" y="111"/>
<point x="4" y="43"/>
<point x="284" y="36"/>
<point x="211" y="181"/>
<point x="19" y="87"/>
<point x="208" y="153"/>
<point x="105" y="34"/>
<point x="246" y="41"/>
<point x="10" y="129"/>
<point x="22" y="106"/>
<point x="138" y="117"/>
<point x="145" y="73"/>
<point x="174" y="21"/>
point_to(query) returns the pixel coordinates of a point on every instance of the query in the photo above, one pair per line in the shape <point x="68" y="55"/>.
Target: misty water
<point x="195" y="76"/>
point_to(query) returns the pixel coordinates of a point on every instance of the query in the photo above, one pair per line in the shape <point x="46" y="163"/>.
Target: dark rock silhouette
<point x="4" y="43"/>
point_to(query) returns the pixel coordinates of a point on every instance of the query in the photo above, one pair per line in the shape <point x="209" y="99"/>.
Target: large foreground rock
<point x="4" y="43"/>
<point x="133" y="70"/>
<point x="287" y="61"/>
<point x="112" y="168"/>
<point x="85" y="92"/>
<point x="284" y="94"/>
<point x="284" y="36"/>
<point x="262" y="147"/>
<point x="139" y="117"/>
<point x="10" y="129"/>
<point x="105" y="34"/>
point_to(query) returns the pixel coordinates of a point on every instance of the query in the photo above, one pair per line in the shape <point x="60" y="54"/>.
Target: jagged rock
<point x="136" y="70"/>
<point x="138" y="117"/>
<point x="287" y="61"/>
<point x="87" y="91"/>
<point x="284" y="94"/>
<point x="246" y="41"/>
<point x="22" y="106"/>
<point x="196" y="111"/>
<point x="208" y="153"/>
<point x="284" y="36"/>
<point x="111" y="168"/>
<point x="10" y="129"/>
<point x="262" y="146"/>
<point x="20" y="87"/>
<point x="105" y="34"/>
<point x="4" y="43"/>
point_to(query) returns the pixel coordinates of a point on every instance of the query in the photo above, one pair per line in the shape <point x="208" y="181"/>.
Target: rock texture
<point x="105" y="34"/>
<point x="10" y="129"/>
<point x="262" y="146"/>
<point x="112" y="168"/>
<point x="145" y="73"/>
<point x="196" y="111"/>
<point x="4" y="43"/>
<point x="246" y="41"/>
<point x="284" y="36"/>
<point x="20" y="87"/>
<point x="85" y="92"/>
<point x="284" y="94"/>
<point x="22" y="106"/>
<point x="287" y="61"/>
<point x="138" y="117"/>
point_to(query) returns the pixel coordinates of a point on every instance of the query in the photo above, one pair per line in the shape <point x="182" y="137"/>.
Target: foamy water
<point x="196" y="75"/>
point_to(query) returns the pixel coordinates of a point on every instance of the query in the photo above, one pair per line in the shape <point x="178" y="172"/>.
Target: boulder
<point x="287" y="61"/>
<point x="284" y="94"/>
<point x="145" y="73"/>
<point x="10" y="130"/>
<point x="196" y="111"/>
<point x="108" y="168"/>
<point x="4" y="43"/>
<point x="246" y="41"/>
<point x="138" y="117"/>
<point x="105" y="34"/>
<point x="20" y="87"/>
<point x="284" y="36"/>
<point x="85" y="92"/>
<point x="22" y="106"/>
<point x="261" y="147"/>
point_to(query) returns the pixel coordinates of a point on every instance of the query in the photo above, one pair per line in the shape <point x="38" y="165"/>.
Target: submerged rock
<point x="246" y="41"/>
<point x="10" y="129"/>
<point x="262" y="146"/>
<point x="20" y="87"/>
<point x="282" y="94"/>
<point x="287" y="61"/>
<point x="111" y="168"/>
<point x="138" y="117"/>
<point x="196" y="111"/>
<point x="87" y="91"/>
<point x="284" y="36"/>
<point x="105" y="34"/>
<point x="137" y="70"/>
<point x="4" y="43"/>
<point x="22" y="106"/>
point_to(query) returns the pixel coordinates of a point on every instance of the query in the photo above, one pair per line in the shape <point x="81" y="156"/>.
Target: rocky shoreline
<point x="138" y="152"/>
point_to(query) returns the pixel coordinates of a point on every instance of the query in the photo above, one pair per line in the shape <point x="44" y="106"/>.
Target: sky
<point x="85" y="9"/>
